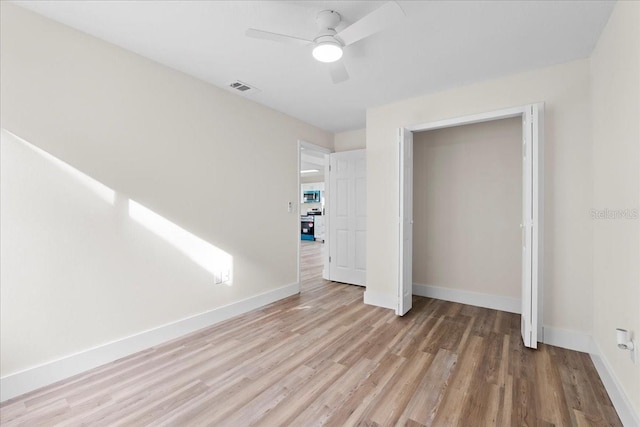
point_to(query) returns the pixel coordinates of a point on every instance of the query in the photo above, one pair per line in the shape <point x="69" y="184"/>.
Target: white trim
<point x="572" y="340"/>
<point x="470" y="119"/>
<point x="48" y="373"/>
<point x="496" y="302"/>
<point x="538" y="111"/>
<point x="622" y="403"/>
<point x="297" y="210"/>
<point x="326" y="254"/>
<point x="314" y="147"/>
<point x="380" y="299"/>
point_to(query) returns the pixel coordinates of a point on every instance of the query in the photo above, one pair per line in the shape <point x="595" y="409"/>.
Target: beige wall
<point x="568" y="240"/>
<point x="187" y="150"/>
<point x="467" y="198"/>
<point x="615" y="97"/>
<point x="350" y="140"/>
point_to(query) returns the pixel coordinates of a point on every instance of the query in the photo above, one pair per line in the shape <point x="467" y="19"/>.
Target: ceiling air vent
<point x="243" y="87"/>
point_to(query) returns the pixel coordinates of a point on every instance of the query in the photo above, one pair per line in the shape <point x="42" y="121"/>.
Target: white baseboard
<point x="48" y="373"/>
<point x="496" y="302"/>
<point x="624" y="407"/>
<point x="379" y="299"/>
<point x="572" y="340"/>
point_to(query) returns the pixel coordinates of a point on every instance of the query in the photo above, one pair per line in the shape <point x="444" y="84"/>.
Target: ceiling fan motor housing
<point x="328" y="19"/>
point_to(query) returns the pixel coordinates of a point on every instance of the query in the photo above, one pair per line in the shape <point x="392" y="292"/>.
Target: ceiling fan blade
<point x="282" y="38"/>
<point x="381" y="18"/>
<point x="339" y="72"/>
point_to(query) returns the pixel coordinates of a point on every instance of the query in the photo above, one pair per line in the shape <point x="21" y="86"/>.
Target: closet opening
<point x="471" y="213"/>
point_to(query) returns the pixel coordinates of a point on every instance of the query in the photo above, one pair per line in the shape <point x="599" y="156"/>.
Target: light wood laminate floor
<point x="323" y="357"/>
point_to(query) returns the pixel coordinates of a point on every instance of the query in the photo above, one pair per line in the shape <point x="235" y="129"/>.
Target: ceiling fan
<point x="328" y="43"/>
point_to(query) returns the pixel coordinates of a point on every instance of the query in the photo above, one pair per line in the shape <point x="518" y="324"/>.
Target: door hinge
<point x="329" y="168"/>
<point x="329" y="258"/>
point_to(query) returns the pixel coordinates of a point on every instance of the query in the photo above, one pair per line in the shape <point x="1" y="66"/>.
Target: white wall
<point x="615" y="96"/>
<point x="77" y="272"/>
<point x="350" y="140"/>
<point x="467" y="198"/>
<point x="568" y="240"/>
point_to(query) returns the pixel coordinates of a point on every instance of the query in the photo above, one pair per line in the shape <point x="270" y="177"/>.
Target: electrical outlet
<point x="226" y="276"/>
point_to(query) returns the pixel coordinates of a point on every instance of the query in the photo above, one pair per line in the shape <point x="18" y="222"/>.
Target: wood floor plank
<point x="324" y="358"/>
<point x="352" y="409"/>
<point x="304" y="395"/>
<point x="482" y="401"/>
<point x="425" y="401"/>
<point x="505" y="408"/>
<point x="387" y="409"/>
<point x="256" y="408"/>
<point x="453" y="405"/>
<point x="323" y="407"/>
<point x="553" y="406"/>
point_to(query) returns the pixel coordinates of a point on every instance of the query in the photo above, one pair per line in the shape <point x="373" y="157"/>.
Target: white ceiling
<point x="439" y="45"/>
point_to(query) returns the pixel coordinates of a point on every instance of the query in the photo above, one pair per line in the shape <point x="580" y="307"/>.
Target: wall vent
<point x="243" y="87"/>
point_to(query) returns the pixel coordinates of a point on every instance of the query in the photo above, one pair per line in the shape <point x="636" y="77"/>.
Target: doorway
<point x="332" y="212"/>
<point x="310" y="208"/>
<point x="531" y="224"/>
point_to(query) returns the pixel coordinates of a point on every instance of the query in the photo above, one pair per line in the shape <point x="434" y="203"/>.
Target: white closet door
<point x="531" y="222"/>
<point x="406" y="222"/>
<point x="348" y="217"/>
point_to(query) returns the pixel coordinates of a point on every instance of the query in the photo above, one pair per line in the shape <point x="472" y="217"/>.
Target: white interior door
<point x="526" y="228"/>
<point x="531" y="222"/>
<point x="347" y="217"/>
<point x="405" y="288"/>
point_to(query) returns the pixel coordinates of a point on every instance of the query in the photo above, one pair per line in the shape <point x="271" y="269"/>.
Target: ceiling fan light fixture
<point x="327" y="51"/>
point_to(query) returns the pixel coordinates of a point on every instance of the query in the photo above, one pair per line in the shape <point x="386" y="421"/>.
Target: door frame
<point x="531" y="113"/>
<point x="311" y="146"/>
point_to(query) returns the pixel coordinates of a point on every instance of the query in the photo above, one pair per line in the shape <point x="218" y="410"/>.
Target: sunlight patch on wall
<point x="214" y="260"/>
<point x="101" y="190"/>
<point x="211" y="258"/>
